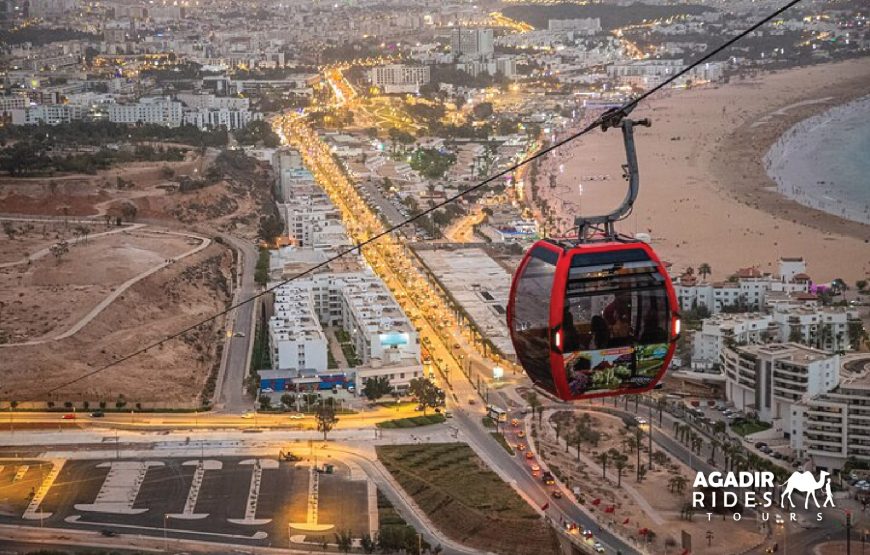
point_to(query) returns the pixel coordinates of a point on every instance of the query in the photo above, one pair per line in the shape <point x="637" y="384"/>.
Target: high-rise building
<point x="399" y="78"/>
<point x="472" y="43"/>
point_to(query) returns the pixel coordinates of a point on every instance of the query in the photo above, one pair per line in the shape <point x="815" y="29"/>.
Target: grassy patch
<point x="488" y="422"/>
<point x="387" y="514"/>
<point x="412" y="422"/>
<point x="467" y="500"/>
<point x="749" y="427"/>
<point x="502" y="441"/>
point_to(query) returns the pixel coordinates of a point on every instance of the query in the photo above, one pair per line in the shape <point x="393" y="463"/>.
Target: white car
<point x="247" y="415"/>
<point x="779" y="520"/>
<point x="598" y="547"/>
<point x="297" y="416"/>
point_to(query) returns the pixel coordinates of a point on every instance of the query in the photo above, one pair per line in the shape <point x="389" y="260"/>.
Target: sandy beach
<point x="705" y="194"/>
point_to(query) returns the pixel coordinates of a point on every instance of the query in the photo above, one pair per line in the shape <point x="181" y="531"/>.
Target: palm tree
<point x="713" y="446"/>
<point x="344" y="541"/>
<point x="704" y="270"/>
<point x="602" y="458"/>
<point x="677" y="484"/>
<point x="661" y="403"/>
<point x="535" y="405"/>
<point x="620" y="461"/>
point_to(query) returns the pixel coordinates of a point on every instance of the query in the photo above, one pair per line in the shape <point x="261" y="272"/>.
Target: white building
<point x="472" y="43"/>
<point x="357" y="302"/>
<point x="295" y="337"/>
<point x="771" y="379"/>
<point x="825" y="328"/>
<point x="399" y="78"/>
<point x="836" y="425"/>
<point x="721" y="329"/>
<point x="748" y="289"/>
<point x="51" y="114"/>
<point x="646" y="73"/>
<point x="154" y="110"/>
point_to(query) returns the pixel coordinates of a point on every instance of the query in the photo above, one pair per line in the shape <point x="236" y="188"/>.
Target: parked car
<point x="521" y="446"/>
<point x="69" y="416"/>
<point x="760" y="444"/>
<point x="598" y="547"/>
<point x="98" y="414"/>
<point x="557" y="494"/>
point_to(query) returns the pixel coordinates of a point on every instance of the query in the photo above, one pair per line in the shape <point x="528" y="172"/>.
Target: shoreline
<point x="706" y="196"/>
<point x="751" y="143"/>
<point x="791" y="162"/>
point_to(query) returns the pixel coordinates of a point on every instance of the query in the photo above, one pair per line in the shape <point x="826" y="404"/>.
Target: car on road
<point x="297" y="416"/>
<point x="760" y="444"/>
<point x="536" y="468"/>
<point x="239" y="334"/>
<point x="598" y="547"/>
<point x="521" y="446"/>
<point x="557" y="494"/>
<point x="521" y="434"/>
<point x="247" y="414"/>
<point x="108" y="533"/>
<point x="69" y="416"/>
<point x="98" y="414"/>
<point x="515" y="422"/>
<point x="530" y="455"/>
<point x="548" y="478"/>
<point x="779" y="520"/>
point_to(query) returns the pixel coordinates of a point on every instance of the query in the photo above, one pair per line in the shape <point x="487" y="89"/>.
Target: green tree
<point x="377" y="387"/>
<point x="425" y="393"/>
<point x="344" y="541"/>
<point x="265" y="402"/>
<point x="367" y="544"/>
<point x="288" y="400"/>
<point x="704" y="270"/>
<point x="326" y="419"/>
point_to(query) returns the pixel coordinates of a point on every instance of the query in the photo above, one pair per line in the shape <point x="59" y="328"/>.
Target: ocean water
<point x="824" y="161"/>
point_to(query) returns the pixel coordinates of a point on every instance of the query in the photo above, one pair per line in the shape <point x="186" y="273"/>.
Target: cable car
<point x="595" y="315"/>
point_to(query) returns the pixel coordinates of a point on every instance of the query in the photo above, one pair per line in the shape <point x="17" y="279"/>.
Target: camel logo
<point x="807" y="484"/>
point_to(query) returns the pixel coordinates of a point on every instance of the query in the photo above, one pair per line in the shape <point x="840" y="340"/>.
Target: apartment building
<point x="835" y="426"/>
<point x="770" y="380"/>
<point x="296" y="338"/>
<point x="153" y="110"/>
<point x="399" y="78"/>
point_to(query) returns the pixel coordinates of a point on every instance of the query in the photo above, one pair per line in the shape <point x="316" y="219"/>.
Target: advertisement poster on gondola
<point x="612" y="369"/>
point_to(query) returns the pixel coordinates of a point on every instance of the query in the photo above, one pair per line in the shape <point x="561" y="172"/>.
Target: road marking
<point x="310" y="525"/>
<point x="120" y="488"/>
<point x="195" y="485"/>
<point x="254" y="492"/>
<point x="22" y="470"/>
<point x="47" y="482"/>
<point x="76" y="519"/>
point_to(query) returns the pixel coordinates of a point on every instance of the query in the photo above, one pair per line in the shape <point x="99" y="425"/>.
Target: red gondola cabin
<point x="593" y="319"/>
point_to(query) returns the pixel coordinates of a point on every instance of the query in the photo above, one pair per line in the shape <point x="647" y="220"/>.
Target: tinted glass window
<point x="531" y="318"/>
<point x="615" y="322"/>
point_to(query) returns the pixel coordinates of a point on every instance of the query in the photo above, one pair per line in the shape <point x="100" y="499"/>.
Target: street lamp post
<point x="165" y="540"/>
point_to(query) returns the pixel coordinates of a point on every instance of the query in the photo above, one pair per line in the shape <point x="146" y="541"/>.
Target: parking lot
<point x="229" y="499"/>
